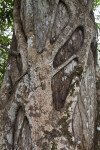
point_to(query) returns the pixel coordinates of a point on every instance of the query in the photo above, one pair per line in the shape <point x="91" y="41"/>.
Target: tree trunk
<point x="48" y="97"/>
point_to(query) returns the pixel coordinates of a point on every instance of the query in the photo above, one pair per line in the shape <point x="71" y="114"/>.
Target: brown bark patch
<point x="22" y="132"/>
<point x="84" y="2"/>
<point x="61" y="20"/>
<point x="72" y="46"/>
<point x="61" y="84"/>
<point x="42" y="17"/>
<point x="94" y="50"/>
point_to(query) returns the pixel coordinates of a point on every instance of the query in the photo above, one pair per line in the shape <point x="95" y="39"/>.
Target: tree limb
<point x="7" y="49"/>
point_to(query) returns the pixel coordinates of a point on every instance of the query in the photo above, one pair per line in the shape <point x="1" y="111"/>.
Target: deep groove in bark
<point x="61" y="83"/>
<point x="72" y="46"/>
<point x="56" y="30"/>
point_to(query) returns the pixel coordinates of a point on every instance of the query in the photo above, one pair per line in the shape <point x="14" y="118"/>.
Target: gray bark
<point x="48" y="97"/>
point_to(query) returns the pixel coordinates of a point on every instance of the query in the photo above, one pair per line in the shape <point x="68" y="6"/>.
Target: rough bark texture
<point x="48" y="97"/>
<point x="97" y="126"/>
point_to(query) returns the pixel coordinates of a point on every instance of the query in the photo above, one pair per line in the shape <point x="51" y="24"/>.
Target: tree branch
<point x="7" y="49"/>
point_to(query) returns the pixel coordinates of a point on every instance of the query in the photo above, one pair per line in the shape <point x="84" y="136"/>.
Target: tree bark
<point x="48" y="96"/>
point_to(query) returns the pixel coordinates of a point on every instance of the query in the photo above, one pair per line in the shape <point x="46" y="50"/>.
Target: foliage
<point x="96" y="4"/>
<point x="6" y="28"/>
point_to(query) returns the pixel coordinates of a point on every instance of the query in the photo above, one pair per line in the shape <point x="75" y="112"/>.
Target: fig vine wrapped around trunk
<point x="48" y="96"/>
